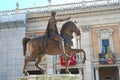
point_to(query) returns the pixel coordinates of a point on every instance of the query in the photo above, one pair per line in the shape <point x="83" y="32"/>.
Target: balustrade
<point x="76" y="5"/>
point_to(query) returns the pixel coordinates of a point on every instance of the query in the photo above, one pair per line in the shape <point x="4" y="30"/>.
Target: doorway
<point x="108" y="73"/>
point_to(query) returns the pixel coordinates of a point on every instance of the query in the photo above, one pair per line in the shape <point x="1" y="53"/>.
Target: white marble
<point x="50" y="66"/>
<point x="86" y="45"/>
<point x="12" y="17"/>
<point x="10" y="48"/>
<point x="52" y="77"/>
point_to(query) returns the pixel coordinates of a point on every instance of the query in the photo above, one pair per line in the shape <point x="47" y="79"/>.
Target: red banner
<point x="71" y="62"/>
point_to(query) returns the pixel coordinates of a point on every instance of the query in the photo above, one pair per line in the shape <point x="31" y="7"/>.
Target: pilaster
<point x="119" y="29"/>
<point x="87" y="45"/>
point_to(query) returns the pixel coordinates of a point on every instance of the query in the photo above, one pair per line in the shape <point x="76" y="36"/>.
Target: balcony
<point x="107" y="58"/>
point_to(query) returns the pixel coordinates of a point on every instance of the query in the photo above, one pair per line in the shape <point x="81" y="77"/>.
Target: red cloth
<point x="71" y="62"/>
<point x="110" y="61"/>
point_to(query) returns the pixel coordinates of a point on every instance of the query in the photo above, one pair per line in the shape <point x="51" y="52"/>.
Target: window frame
<point x="105" y="33"/>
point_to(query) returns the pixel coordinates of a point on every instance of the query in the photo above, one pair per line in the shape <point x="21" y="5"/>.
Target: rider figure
<point x="52" y="31"/>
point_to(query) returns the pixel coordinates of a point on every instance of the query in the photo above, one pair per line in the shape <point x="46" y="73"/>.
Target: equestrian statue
<point x="52" y="43"/>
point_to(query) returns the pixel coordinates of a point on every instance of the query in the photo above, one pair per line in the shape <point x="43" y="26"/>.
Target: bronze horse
<point x="38" y="48"/>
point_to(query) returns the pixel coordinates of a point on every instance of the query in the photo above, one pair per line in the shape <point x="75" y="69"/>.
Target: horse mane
<point x="66" y="25"/>
<point x="63" y="34"/>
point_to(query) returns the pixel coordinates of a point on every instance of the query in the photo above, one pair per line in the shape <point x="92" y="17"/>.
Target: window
<point x="105" y="39"/>
<point x="105" y="43"/>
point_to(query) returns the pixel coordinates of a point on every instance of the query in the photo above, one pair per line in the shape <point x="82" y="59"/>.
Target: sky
<point x="11" y="4"/>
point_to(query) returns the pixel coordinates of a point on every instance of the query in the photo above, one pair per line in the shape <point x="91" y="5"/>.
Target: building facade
<point x="99" y="23"/>
<point x="12" y="30"/>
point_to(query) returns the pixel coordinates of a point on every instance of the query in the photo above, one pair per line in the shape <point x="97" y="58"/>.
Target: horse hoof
<point x="26" y="73"/>
<point x="67" y="72"/>
<point x="84" y="59"/>
<point x="83" y="62"/>
<point x="42" y="72"/>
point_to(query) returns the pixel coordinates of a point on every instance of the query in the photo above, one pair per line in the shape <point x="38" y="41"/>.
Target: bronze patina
<point x="52" y="43"/>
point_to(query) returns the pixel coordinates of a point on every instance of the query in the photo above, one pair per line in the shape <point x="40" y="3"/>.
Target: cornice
<point x="33" y="17"/>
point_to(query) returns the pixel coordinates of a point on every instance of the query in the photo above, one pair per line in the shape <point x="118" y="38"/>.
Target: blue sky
<point x="11" y="4"/>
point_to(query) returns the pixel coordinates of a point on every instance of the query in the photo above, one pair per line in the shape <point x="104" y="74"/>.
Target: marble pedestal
<point x="53" y="77"/>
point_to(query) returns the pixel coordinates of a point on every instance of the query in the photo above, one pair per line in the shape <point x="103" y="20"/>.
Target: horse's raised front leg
<point x="84" y="58"/>
<point x="75" y="51"/>
<point x="67" y="65"/>
<point x="37" y="64"/>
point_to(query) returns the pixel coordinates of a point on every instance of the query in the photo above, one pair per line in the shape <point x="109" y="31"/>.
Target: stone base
<point x="53" y="77"/>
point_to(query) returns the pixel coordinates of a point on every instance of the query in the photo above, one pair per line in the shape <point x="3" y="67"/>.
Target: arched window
<point x="105" y="39"/>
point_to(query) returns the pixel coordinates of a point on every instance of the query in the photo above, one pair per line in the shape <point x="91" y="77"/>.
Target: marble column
<point x="87" y="46"/>
<point x="119" y="29"/>
<point x="97" y="73"/>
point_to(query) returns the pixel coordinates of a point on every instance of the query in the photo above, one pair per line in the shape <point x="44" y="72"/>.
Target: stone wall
<point x="11" y="57"/>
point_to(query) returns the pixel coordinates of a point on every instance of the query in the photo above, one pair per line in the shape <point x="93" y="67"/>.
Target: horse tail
<point x="24" y="42"/>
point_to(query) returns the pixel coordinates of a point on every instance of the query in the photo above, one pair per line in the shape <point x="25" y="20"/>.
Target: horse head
<point x="74" y="28"/>
<point x="67" y="31"/>
<point x="70" y="27"/>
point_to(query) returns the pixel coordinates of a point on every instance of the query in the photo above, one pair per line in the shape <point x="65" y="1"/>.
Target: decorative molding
<point x="86" y="28"/>
<point x="103" y="31"/>
<point x="70" y="6"/>
<point x="37" y="16"/>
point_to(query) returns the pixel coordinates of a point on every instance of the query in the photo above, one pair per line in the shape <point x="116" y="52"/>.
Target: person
<point x="52" y="31"/>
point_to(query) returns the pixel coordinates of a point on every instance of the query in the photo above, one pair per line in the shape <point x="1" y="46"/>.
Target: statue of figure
<point x="52" y="31"/>
<point x="17" y="5"/>
<point x="38" y="48"/>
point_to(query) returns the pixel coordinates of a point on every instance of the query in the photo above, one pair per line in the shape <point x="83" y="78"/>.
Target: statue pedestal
<point x="53" y="77"/>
